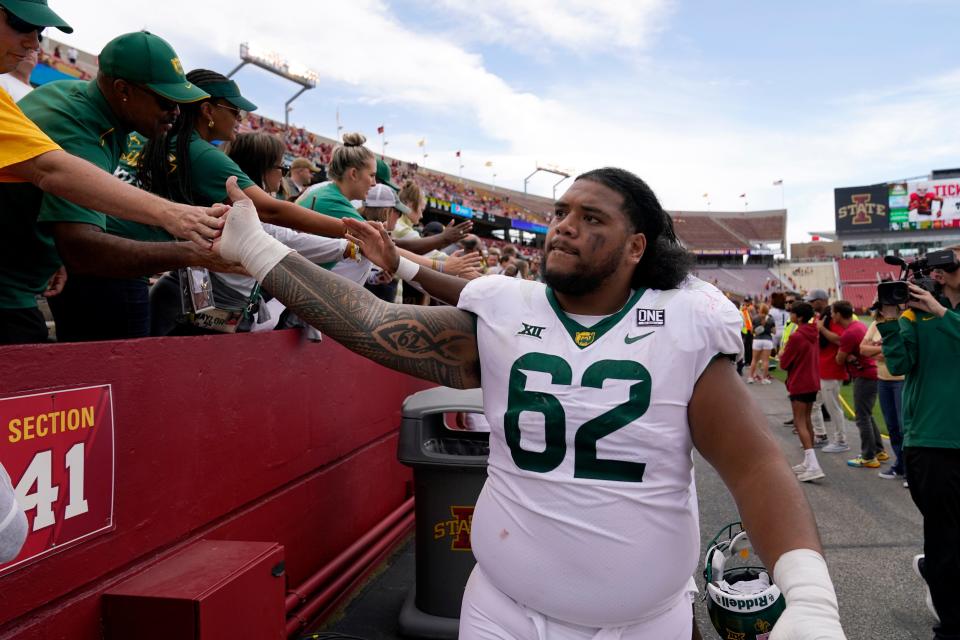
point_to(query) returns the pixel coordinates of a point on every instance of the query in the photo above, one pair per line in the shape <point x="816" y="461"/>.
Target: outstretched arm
<point x="437" y="344"/>
<point x="434" y="343"/>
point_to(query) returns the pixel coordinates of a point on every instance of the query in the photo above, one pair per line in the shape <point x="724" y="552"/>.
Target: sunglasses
<point x="22" y="26"/>
<point x="165" y="104"/>
<point x="237" y="113"/>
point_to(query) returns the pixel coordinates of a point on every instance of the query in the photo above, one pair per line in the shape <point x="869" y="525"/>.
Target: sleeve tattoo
<point x="433" y="343"/>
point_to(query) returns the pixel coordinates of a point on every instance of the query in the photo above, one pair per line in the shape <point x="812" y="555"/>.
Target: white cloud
<point x="680" y="143"/>
<point x="571" y="24"/>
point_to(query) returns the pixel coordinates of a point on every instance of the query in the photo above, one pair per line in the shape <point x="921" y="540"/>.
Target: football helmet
<point x="742" y="600"/>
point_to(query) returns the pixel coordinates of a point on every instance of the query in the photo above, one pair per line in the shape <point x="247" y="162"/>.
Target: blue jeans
<point x="891" y="394"/>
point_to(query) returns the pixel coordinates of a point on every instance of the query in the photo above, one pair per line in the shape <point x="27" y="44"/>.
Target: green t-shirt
<point x="209" y="169"/>
<point x="926" y="349"/>
<point x="75" y="115"/>
<point x="329" y="200"/>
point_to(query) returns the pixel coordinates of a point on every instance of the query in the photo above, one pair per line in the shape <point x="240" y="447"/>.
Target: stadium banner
<point x="528" y="226"/>
<point x="921" y="205"/>
<point x="460" y="210"/>
<point x="816" y="250"/>
<point x="58" y="449"/>
<point x="862" y="209"/>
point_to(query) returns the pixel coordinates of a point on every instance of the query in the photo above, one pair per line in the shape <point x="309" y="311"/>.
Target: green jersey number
<point x="586" y="464"/>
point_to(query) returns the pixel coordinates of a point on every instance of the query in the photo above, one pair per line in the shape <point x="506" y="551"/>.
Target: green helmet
<point x="742" y="601"/>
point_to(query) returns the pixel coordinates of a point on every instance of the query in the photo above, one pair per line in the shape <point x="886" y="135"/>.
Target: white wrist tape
<point x="802" y="576"/>
<point x="245" y="241"/>
<point x="407" y="269"/>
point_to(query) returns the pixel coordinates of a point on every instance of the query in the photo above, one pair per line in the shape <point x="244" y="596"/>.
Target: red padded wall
<point x="261" y="437"/>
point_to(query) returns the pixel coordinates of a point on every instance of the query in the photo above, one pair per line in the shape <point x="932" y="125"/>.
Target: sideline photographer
<point x="924" y="345"/>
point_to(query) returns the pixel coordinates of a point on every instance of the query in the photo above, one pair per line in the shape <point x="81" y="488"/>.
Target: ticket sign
<point x="57" y="448"/>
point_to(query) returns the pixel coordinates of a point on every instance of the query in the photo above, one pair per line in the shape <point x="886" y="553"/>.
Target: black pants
<point x="934" y="477"/>
<point x="747" y="351"/>
<point x="91" y="308"/>
<point x="22" y="326"/>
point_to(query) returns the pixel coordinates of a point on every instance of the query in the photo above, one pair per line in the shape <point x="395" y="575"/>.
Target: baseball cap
<point x="36" y="12"/>
<point x="230" y="92"/>
<point x="149" y="60"/>
<point x="384" y="176"/>
<point x="816" y="294"/>
<point x="381" y="195"/>
<point x="303" y="163"/>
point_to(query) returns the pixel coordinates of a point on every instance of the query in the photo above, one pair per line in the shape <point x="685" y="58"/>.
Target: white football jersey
<point x="589" y="513"/>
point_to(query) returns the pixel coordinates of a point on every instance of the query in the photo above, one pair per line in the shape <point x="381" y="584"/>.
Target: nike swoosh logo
<point x="632" y="339"/>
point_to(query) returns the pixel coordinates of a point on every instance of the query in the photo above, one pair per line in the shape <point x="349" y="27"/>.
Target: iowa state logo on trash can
<point x="457" y="527"/>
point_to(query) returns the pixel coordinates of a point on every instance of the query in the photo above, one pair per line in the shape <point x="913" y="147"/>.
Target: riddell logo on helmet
<point x="746" y="604"/>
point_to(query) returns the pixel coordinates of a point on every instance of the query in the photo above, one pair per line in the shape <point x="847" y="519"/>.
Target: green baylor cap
<point x="149" y="60"/>
<point x="384" y="176"/>
<point x="230" y="92"/>
<point x="36" y="12"/>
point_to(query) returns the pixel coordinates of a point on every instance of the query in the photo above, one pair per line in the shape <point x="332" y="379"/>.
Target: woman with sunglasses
<point x="187" y="167"/>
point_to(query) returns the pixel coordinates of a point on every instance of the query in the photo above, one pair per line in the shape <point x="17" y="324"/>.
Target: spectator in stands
<point x="56" y="53"/>
<point x="186" y="169"/>
<point x="832" y="376"/>
<point x="890" y="392"/>
<point x="28" y="155"/>
<point x="801" y="360"/>
<point x="137" y="88"/>
<point x="763" y="328"/>
<point x="863" y="370"/>
<point x="301" y="174"/>
<point x="17" y="82"/>
<point x="923" y="345"/>
<point x="190" y="143"/>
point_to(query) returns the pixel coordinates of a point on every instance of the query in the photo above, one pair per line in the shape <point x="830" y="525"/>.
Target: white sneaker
<point x="799" y="468"/>
<point x="835" y="447"/>
<point x="917" y="559"/>
<point x="906" y="485"/>
<point x="811" y="474"/>
<point x="766" y="381"/>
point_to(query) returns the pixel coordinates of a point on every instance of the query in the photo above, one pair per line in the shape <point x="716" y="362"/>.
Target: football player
<point x="597" y="385"/>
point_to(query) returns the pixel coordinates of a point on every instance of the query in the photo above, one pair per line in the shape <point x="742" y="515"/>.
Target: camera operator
<point x="924" y="345"/>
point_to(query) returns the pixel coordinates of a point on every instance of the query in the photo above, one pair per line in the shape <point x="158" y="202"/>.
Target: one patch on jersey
<point x="651" y="317"/>
<point x="585" y="338"/>
<point x="531" y="330"/>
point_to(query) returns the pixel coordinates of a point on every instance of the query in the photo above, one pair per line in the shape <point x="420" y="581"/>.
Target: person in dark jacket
<point x="801" y="360"/>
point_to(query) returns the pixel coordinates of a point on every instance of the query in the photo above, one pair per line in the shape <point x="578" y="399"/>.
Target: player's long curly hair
<point x="665" y="262"/>
<point x="156" y="170"/>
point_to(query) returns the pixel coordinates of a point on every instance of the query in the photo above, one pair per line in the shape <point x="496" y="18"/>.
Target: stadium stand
<point x="745" y="281"/>
<point x="859" y="277"/>
<point x="757" y="227"/>
<point x="805" y="276"/>
<point x="700" y="233"/>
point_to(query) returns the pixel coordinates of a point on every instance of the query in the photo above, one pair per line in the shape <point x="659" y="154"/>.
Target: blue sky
<point x="695" y="96"/>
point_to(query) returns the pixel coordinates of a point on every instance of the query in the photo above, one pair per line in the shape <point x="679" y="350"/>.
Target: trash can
<point x="449" y="469"/>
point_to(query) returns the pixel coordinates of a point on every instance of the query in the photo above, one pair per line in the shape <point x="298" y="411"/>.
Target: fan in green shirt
<point x="139" y="87"/>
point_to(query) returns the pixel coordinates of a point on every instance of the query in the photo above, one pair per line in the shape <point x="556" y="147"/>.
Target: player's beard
<point x="587" y="279"/>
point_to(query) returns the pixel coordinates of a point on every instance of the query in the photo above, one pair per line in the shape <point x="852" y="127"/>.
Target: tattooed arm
<point x="433" y="343"/>
<point x="436" y="344"/>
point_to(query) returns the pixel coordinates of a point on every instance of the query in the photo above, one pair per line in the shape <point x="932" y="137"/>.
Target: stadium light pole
<point x="557" y="172"/>
<point x="275" y="64"/>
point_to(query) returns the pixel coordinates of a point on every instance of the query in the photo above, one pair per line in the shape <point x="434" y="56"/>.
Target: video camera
<point x="897" y="292"/>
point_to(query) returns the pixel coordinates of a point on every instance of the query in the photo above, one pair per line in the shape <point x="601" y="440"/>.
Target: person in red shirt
<point x="863" y="370"/>
<point x="801" y="360"/>
<point x="832" y="376"/>
<point x="922" y="201"/>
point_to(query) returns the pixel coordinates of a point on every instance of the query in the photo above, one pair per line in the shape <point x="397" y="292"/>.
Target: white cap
<point x="381" y="195"/>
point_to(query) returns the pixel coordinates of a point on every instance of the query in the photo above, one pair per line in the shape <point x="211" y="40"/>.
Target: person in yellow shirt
<point x="28" y="155"/>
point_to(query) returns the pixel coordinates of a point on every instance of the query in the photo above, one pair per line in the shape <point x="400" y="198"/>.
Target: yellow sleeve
<point x="20" y="138"/>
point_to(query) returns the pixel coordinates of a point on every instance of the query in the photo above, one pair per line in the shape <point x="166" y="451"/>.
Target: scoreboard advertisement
<point x="914" y="205"/>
